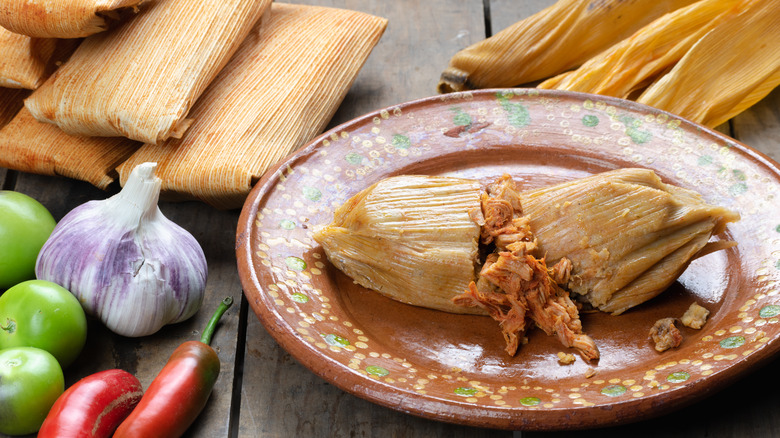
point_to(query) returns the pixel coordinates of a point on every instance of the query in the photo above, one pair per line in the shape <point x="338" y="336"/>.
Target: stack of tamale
<point x="707" y="60"/>
<point x="193" y="85"/>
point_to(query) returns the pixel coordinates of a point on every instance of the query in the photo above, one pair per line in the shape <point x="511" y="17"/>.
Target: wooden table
<point x="262" y="391"/>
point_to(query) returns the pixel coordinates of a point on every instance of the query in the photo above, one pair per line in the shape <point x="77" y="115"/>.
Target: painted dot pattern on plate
<point x="286" y="249"/>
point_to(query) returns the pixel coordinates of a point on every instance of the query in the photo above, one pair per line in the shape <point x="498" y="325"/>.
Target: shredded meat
<point x="515" y="286"/>
<point x="665" y="334"/>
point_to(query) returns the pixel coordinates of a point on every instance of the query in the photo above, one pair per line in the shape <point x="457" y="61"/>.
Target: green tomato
<point x="25" y="225"/>
<point x="31" y="379"/>
<point x="42" y="314"/>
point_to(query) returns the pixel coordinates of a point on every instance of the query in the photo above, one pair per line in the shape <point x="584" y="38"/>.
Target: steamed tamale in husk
<point x="26" y="62"/>
<point x="278" y="92"/>
<point x="556" y="39"/>
<point x="62" y="18"/>
<point x="731" y="68"/>
<point x="613" y="240"/>
<point x="140" y="79"/>
<point x="31" y="146"/>
<point x="636" y="61"/>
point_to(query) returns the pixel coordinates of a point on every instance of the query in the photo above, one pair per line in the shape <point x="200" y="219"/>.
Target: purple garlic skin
<point x="127" y="263"/>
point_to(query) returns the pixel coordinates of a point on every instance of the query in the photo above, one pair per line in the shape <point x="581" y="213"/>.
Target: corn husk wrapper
<point x="638" y="60"/>
<point x="556" y="39"/>
<point x="140" y="80"/>
<point x="627" y="234"/>
<point x="731" y="68"/>
<point x="31" y="146"/>
<point x="277" y="93"/>
<point x="11" y="102"/>
<point x="61" y="18"/>
<point x="26" y="62"/>
<point x="411" y="238"/>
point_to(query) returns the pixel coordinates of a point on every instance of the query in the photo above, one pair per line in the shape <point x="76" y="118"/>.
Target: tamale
<point x="636" y="61"/>
<point x="729" y="69"/>
<point x="556" y="39"/>
<point x="61" y="18"/>
<point x="626" y="235"/>
<point x="31" y="146"/>
<point x="411" y="238"/>
<point x="140" y="80"/>
<point x="278" y="92"/>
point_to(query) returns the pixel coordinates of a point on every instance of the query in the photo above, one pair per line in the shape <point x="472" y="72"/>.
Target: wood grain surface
<point x="262" y="391"/>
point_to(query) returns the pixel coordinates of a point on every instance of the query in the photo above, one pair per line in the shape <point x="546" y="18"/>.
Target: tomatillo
<point x="45" y="315"/>
<point x="25" y="225"/>
<point x="31" y="379"/>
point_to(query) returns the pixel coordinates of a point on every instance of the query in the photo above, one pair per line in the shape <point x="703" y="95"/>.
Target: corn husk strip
<point x="11" y="102"/>
<point x="556" y="39"/>
<point x="23" y="60"/>
<point x="622" y="229"/>
<point x="278" y="92"/>
<point x="140" y="80"/>
<point x="31" y="146"/>
<point x="60" y="18"/>
<point x="651" y="51"/>
<point x="411" y="238"/>
<point x="729" y="69"/>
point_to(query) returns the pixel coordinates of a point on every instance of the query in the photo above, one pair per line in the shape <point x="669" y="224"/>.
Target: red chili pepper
<point x="94" y="406"/>
<point x="179" y="393"/>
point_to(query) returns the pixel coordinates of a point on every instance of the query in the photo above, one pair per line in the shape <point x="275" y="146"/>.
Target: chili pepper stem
<point x="208" y="332"/>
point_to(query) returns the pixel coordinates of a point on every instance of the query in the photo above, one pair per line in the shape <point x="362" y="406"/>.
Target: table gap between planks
<point x="262" y="391"/>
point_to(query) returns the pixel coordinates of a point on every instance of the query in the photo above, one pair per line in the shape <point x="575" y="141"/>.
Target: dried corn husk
<point x="140" y="80"/>
<point x="60" y="18"/>
<point x="732" y="67"/>
<point x="31" y="146"/>
<point x="627" y="234"/>
<point x="411" y="238"/>
<point x="554" y="40"/>
<point x="11" y="101"/>
<point x="26" y="62"/>
<point x="278" y="92"/>
<point x="638" y="60"/>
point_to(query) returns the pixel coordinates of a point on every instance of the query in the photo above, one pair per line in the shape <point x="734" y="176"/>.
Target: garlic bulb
<point x="128" y="265"/>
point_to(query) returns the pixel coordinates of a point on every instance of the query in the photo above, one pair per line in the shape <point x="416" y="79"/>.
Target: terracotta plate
<point x="453" y="367"/>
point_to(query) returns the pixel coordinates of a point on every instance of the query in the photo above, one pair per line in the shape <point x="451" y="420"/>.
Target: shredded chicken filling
<point x="516" y="287"/>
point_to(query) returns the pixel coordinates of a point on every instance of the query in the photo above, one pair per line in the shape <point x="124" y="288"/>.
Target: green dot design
<point x="312" y="193"/>
<point x="732" y="342"/>
<point x="353" y="158"/>
<point x="401" y="141"/>
<point x="287" y="224"/>
<point x="299" y="298"/>
<point x="769" y="311"/>
<point x="461" y="118"/>
<point x="590" y="120"/>
<point x="705" y="160"/>
<point x="516" y="112"/>
<point x="530" y="401"/>
<point x="465" y="392"/>
<point x="295" y="263"/>
<point x="678" y="377"/>
<point x="335" y="340"/>
<point x="636" y="135"/>
<point x="376" y="370"/>
<point x="613" y="390"/>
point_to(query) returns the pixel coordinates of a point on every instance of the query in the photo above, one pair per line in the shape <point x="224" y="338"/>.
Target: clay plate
<point x="453" y="367"/>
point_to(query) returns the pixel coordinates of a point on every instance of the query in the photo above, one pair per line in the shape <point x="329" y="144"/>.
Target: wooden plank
<point x="144" y="357"/>
<point x="759" y="126"/>
<point x="279" y="397"/>
<point x="504" y="13"/>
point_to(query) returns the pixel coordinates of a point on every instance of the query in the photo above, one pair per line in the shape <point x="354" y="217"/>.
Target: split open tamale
<point x="140" y="80"/>
<point x="613" y="240"/>
<point x="556" y="39"/>
<point x="31" y="146"/>
<point x="728" y="70"/>
<point x="277" y="93"/>
<point x="639" y="59"/>
<point x="61" y="18"/>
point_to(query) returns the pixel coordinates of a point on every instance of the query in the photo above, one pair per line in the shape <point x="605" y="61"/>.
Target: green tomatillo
<point x="42" y="314"/>
<point x="30" y="382"/>
<point x="25" y="225"/>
